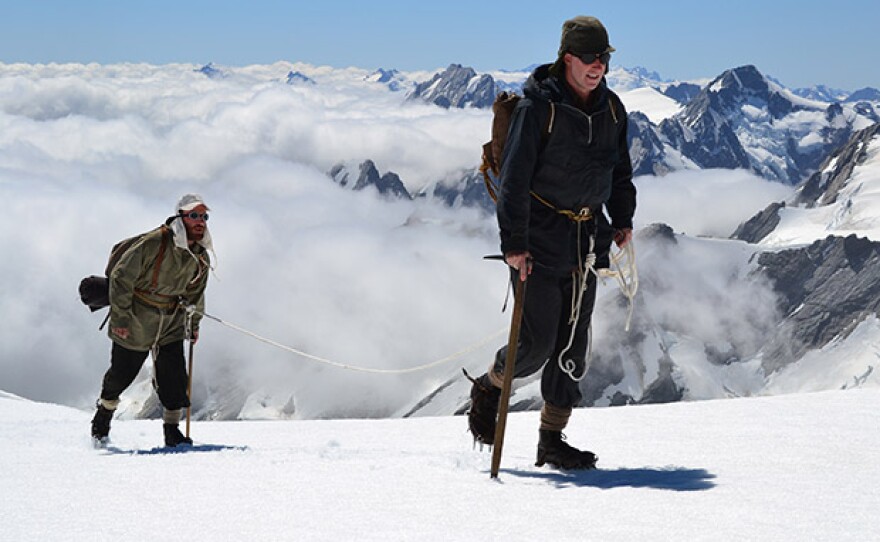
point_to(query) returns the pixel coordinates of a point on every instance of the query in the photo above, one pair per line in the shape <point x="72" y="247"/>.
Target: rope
<point x="627" y="280"/>
<point x="339" y="365"/>
<point x="581" y="277"/>
<point x="627" y="276"/>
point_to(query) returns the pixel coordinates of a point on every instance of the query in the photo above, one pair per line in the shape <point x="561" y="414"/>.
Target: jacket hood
<point x="178" y="229"/>
<point x="543" y="86"/>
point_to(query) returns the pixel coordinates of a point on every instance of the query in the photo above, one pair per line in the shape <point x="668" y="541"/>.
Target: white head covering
<point x="187" y="203"/>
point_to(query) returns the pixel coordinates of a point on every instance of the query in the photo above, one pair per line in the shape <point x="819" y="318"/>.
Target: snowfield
<point x="794" y="467"/>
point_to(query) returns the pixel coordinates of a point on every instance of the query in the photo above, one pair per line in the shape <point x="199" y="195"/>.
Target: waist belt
<point x="584" y="215"/>
<point x="168" y="306"/>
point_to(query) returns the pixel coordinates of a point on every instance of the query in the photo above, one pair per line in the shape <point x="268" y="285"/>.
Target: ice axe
<point x="519" y="294"/>
<point x="189" y="385"/>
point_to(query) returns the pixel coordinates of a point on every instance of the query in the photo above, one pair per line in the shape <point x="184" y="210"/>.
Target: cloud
<point x="93" y="154"/>
<point x="170" y="123"/>
<point x="705" y="202"/>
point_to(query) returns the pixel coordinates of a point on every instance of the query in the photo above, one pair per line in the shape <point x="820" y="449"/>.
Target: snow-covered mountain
<point x="388" y="184"/>
<point x="392" y="78"/>
<point x="740" y="119"/>
<point x="457" y="86"/>
<point x="796" y="294"/>
<point x="378" y="262"/>
<point x="743" y="120"/>
<point x="827" y="288"/>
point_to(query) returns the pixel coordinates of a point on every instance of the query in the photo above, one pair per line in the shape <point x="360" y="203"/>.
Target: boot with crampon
<point x="101" y="423"/>
<point x="483" y="413"/>
<point x="554" y="450"/>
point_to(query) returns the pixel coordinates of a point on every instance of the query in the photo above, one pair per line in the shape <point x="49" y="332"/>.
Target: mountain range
<point x="784" y="302"/>
<point x="808" y="301"/>
<point x="741" y="119"/>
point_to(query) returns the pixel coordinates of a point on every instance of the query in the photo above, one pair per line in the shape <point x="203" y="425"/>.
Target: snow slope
<point x="854" y="212"/>
<point x="653" y="104"/>
<point x="794" y="467"/>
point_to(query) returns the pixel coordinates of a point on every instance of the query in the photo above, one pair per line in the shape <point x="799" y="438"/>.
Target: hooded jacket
<point x="154" y="316"/>
<point x="583" y="162"/>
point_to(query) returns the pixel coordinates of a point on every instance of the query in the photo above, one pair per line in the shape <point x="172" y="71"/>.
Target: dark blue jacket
<point x="584" y="162"/>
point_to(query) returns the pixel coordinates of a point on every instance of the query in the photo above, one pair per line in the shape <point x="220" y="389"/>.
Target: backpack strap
<point x="159" y="258"/>
<point x="493" y="163"/>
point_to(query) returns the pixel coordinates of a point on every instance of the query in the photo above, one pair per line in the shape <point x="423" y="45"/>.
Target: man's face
<point x="582" y="77"/>
<point x="195" y="227"/>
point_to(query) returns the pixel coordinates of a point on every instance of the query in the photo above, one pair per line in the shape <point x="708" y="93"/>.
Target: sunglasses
<point x="192" y="215"/>
<point x="589" y="58"/>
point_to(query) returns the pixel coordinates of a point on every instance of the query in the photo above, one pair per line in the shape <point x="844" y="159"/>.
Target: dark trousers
<point x="171" y="377"/>
<point x="545" y="333"/>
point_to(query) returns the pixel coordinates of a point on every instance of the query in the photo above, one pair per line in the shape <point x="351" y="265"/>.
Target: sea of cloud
<point x="90" y="154"/>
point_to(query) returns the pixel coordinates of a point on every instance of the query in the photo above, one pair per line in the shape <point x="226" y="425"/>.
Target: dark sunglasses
<point x="192" y="215"/>
<point x="589" y="58"/>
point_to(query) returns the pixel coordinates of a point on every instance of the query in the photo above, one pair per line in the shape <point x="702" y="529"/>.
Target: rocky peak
<point x="760" y="225"/>
<point x="735" y="88"/>
<point x="389" y="78"/>
<point x="868" y="94"/>
<point x="823" y="187"/>
<point x="294" y="77"/>
<point x="388" y="184"/>
<point x="210" y="71"/>
<point x="825" y="290"/>
<point x="457" y="86"/>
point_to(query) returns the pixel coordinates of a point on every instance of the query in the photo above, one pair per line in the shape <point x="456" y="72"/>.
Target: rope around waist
<point x="168" y="307"/>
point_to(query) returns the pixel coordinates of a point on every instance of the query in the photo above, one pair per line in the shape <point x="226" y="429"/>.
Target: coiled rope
<point x="626" y="275"/>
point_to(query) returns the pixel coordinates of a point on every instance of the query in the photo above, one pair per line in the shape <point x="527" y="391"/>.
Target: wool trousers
<point x="170" y="369"/>
<point x="545" y="333"/>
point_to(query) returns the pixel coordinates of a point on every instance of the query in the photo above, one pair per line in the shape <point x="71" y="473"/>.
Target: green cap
<point x="583" y="35"/>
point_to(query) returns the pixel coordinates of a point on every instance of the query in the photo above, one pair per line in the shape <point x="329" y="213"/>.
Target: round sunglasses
<point x="192" y="215"/>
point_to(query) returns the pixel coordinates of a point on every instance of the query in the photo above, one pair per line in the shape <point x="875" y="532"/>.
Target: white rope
<point x="325" y="361"/>
<point x="627" y="280"/>
<point x="627" y="276"/>
<point x="581" y="277"/>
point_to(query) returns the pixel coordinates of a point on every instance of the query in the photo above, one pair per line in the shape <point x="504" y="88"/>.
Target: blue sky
<point x="800" y="42"/>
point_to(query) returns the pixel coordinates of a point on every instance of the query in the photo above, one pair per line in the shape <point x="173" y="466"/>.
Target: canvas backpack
<point x="502" y="109"/>
<point x="94" y="290"/>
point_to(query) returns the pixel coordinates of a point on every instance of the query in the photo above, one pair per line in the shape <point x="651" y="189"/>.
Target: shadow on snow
<point x="670" y="478"/>
<point x="165" y="450"/>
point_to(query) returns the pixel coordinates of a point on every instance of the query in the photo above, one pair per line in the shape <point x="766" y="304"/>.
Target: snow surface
<point x="796" y="467"/>
<point x="655" y="105"/>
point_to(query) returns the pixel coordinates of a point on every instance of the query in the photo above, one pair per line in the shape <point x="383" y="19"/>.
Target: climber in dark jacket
<point x="565" y="165"/>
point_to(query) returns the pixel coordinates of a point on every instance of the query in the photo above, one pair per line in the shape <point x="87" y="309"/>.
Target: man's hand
<point x="521" y="261"/>
<point x="121" y="332"/>
<point x="195" y="336"/>
<point x="623" y="236"/>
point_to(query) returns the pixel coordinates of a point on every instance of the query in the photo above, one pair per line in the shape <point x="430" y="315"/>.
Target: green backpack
<point x="94" y="291"/>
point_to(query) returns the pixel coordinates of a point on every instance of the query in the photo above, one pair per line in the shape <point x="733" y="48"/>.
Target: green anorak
<point x="154" y="316"/>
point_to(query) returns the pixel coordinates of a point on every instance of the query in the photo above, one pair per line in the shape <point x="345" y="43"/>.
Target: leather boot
<point x="101" y="423"/>
<point x="173" y="436"/>
<point x="554" y="450"/>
